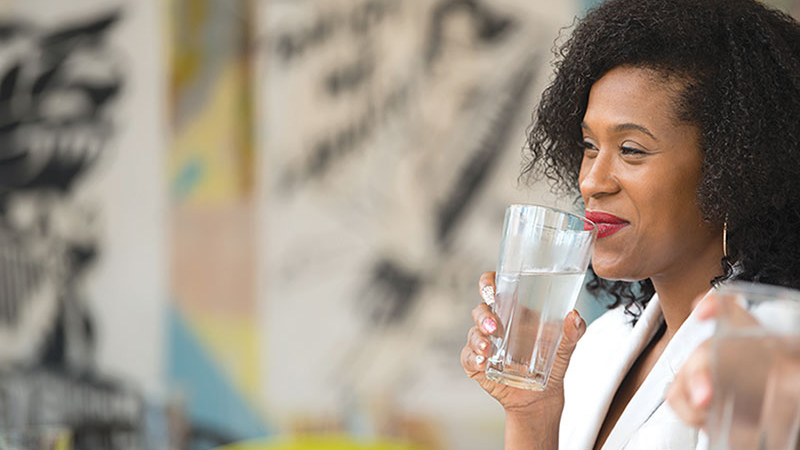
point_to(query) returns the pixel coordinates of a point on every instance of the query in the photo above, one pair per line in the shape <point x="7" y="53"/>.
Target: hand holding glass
<point x="755" y="367"/>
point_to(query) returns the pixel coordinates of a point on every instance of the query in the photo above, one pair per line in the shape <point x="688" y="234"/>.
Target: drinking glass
<point x="755" y="367"/>
<point x="543" y="259"/>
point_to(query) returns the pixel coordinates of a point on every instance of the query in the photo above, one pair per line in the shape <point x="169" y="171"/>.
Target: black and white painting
<point x="59" y="89"/>
<point x="392" y="143"/>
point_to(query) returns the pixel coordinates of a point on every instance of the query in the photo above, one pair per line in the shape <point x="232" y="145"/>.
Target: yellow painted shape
<point x="317" y="443"/>
<point x="218" y="139"/>
<point x="189" y="20"/>
<point x="63" y="442"/>
<point x="233" y="342"/>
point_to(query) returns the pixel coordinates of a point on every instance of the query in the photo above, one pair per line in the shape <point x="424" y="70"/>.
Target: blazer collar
<point x="650" y="394"/>
<point x="628" y="344"/>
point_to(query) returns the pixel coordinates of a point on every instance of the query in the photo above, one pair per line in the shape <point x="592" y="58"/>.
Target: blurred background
<point x="225" y="220"/>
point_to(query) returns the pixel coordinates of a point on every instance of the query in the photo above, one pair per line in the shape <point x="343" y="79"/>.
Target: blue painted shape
<point x="190" y="175"/>
<point x="587" y="4"/>
<point x="211" y="400"/>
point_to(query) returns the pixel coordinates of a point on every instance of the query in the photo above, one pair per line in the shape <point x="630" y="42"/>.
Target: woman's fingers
<point x="690" y="392"/>
<point x="485" y="320"/>
<point x="475" y="352"/>
<point x="472" y="363"/>
<point x="708" y="307"/>
<point x="483" y="316"/>
<point x="574" y="327"/>
<point x="487" y="288"/>
<point x="478" y="342"/>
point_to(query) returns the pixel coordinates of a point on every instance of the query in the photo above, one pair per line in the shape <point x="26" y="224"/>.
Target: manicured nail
<point x="487" y="292"/>
<point x="577" y="319"/>
<point x="699" y="393"/>
<point x="479" y="359"/>
<point x="489" y="326"/>
<point x="483" y="345"/>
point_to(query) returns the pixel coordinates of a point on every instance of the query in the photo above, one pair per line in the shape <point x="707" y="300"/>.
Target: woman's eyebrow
<point x="633" y="126"/>
<point x="625" y="127"/>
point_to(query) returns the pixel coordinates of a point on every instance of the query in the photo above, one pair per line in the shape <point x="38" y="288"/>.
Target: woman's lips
<point x="607" y="224"/>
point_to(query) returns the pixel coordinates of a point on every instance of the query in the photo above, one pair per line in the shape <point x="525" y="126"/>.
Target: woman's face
<point x="639" y="176"/>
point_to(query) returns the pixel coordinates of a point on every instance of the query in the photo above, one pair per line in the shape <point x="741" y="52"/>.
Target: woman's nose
<point x="598" y="176"/>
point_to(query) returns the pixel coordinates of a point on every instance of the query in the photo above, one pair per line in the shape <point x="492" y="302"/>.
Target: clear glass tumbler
<point x="543" y="259"/>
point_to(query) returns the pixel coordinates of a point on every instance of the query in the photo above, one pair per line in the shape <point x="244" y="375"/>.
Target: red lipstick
<point x="607" y="224"/>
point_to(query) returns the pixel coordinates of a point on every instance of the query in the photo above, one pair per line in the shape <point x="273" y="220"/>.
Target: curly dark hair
<point x="739" y="62"/>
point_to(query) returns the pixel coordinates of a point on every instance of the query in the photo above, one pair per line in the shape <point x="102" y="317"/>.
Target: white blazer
<point x="602" y="358"/>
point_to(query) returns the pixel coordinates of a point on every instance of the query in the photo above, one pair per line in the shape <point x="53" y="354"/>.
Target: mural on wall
<point x="213" y="357"/>
<point x="392" y="144"/>
<point x="58" y="90"/>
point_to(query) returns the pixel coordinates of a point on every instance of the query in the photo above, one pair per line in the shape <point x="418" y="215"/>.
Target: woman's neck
<point x="679" y="290"/>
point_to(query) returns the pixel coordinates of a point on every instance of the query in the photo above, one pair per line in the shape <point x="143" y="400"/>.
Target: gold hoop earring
<point x="725" y="239"/>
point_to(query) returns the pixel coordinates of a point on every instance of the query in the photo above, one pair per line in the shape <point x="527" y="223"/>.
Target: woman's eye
<point x="588" y="146"/>
<point x="631" y="151"/>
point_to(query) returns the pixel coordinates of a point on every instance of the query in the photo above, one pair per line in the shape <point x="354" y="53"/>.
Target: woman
<point x="679" y="123"/>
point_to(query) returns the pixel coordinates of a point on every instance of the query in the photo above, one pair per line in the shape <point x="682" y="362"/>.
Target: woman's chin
<point x="614" y="272"/>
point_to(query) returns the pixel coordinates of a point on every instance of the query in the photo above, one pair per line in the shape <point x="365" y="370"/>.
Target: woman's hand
<point x="517" y="402"/>
<point x="691" y="391"/>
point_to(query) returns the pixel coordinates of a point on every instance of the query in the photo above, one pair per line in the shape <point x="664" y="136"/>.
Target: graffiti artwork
<point x="388" y="126"/>
<point x="58" y="88"/>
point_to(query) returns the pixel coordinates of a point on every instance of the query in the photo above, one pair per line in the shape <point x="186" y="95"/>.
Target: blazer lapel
<point x="612" y="368"/>
<point x="650" y="395"/>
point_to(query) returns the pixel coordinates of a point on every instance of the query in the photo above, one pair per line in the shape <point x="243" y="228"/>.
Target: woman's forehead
<point x="634" y="95"/>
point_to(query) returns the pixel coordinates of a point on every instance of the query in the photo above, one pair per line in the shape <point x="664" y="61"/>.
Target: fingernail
<point x="483" y="345"/>
<point x="699" y="393"/>
<point x="489" y="325"/>
<point x="487" y="292"/>
<point x="577" y="319"/>
<point x="479" y="359"/>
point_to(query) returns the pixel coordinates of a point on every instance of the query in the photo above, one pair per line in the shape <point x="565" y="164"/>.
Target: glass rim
<point x="558" y="210"/>
<point x="763" y="291"/>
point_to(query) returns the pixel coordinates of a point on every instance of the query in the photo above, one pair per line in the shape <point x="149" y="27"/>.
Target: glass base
<point x="517" y="381"/>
